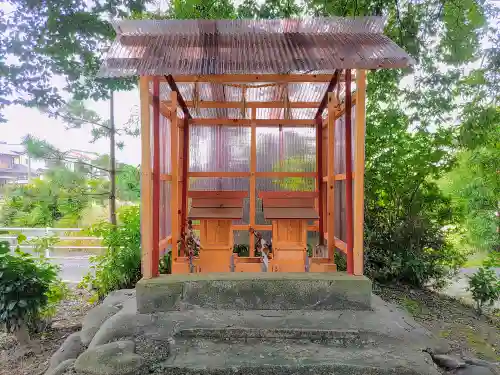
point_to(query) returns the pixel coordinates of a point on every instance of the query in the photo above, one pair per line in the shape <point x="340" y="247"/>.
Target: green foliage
<point x="128" y="183"/>
<point x="120" y="266"/>
<point x="57" y="199"/>
<point x="474" y="188"/>
<point x="242" y="250"/>
<point x="29" y="289"/>
<point x="165" y="266"/>
<point x="295" y="164"/>
<point x="485" y="287"/>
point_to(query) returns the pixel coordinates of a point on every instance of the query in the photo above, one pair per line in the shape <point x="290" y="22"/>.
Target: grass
<point x="476" y="259"/>
<point x="413" y="307"/>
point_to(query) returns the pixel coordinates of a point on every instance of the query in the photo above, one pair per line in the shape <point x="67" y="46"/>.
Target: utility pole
<point x="112" y="161"/>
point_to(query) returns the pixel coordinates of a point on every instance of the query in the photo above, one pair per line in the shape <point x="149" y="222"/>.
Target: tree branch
<point x="76" y="119"/>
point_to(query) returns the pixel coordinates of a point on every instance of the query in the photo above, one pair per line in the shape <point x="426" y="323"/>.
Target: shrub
<point x="485" y="287"/>
<point x="485" y="284"/>
<point x="408" y="249"/>
<point x="26" y="288"/>
<point x="120" y="266"/>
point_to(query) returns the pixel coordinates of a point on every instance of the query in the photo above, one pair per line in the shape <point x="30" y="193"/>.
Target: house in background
<point x="77" y="161"/>
<point x="15" y="165"/>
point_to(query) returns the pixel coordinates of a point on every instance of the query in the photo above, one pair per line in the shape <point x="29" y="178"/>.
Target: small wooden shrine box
<point x="216" y="211"/>
<point x="289" y="213"/>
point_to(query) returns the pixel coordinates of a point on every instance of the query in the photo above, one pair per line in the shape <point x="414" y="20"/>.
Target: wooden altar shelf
<point x="189" y="81"/>
<point x="216" y="211"/>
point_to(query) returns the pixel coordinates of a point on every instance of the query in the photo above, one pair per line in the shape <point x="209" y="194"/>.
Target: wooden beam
<point x="180" y="100"/>
<point x="247" y="175"/>
<point x="251" y="105"/>
<point x="253" y="78"/>
<point x="285" y="174"/>
<point x="331" y="86"/>
<point x="166" y="177"/>
<point x="339" y="114"/>
<point x="253" y="170"/>
<point x="359" y="170"/>
<point x="219" y="174"/>
<point x="339" y="177"/>
<point x="348" y="173"/>
<point x="247" y="122"/>
<point x="146" y="183"/>
<point x="174" y="193"/>
<point x="331" y="175"/>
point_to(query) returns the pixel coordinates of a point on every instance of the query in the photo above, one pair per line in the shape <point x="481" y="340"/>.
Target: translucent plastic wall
<point x="227" y="149"/>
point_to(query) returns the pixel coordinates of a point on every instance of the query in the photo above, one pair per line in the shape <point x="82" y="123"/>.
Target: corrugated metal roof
<point x="159" y="47"/>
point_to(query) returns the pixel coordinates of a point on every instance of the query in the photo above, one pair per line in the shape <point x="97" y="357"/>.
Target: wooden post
<point x="319" y="177"/>
<point x="146" y="183"/>
<point x="174" y="157"/>
<point x="359" y="170"/>
<point x="185" y="179"/>
<point x="331" y="178"/>
<point x="156" y="176"/>
<point x="253" y="170"/>
<point x="348" y="173"/>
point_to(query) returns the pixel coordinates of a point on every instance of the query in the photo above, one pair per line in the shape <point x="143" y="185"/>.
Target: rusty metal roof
<point x="158" y="47"/>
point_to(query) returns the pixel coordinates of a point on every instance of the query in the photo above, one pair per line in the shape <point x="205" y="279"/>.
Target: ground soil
<point x="467" y="333"/>
<point x="68" y="319"/>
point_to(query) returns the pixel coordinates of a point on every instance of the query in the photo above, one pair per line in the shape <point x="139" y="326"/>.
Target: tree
<point x="57" y="200"/>
<point x="42" y="42"/>
<point x="75" y="114"/>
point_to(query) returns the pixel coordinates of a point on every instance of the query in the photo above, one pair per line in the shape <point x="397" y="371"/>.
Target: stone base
<point x="380" y="341"/>
<point x="254" y="291"/>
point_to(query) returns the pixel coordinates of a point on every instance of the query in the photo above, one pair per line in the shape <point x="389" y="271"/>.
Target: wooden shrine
<point x="252" y="125"/>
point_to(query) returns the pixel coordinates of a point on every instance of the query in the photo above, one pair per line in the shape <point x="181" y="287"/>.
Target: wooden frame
<point x="146" y="183"/>
<point x="324" y="176"/>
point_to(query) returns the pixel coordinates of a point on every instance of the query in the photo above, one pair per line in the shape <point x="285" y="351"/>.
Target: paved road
<point x="72" y="268"/>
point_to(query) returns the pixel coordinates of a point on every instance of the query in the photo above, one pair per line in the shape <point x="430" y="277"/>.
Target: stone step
<point x="337" y="337"/>
<point x="283" y="356"/>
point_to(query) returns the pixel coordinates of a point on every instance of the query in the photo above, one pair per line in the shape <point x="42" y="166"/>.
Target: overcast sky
<point x="22" y="121"/>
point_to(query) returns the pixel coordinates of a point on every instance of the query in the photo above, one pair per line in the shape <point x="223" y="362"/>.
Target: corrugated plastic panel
<point x="158" y="47"/>
<point x="286" y="149"/>
<point x="219" y="149"/>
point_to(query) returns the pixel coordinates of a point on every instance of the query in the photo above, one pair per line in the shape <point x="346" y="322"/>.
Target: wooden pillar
<point x="156" y="176"/>
<point x="359" y="170"/>
<point x="174" y="157"/>
<point x="253" y="182"/>
<point x="331" y="178"/>
<point x="146" y="182"/>
<point x="319" y="178"/>
<point x="185" y="171"/>
<point x="348" y="173"/>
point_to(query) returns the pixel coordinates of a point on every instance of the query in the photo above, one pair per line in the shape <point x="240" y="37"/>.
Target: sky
<point x="22" y="121"/>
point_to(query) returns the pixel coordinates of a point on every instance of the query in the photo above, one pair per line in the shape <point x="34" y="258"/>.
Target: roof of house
<point x="13" y="150"/>
<point x="280" y="46"/>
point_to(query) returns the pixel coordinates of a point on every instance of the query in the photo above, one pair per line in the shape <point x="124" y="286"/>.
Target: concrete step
<point x="285" y="356"/>
<point x="254" y="291"/>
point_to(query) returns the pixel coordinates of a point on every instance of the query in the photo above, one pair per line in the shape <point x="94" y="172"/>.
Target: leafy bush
<point x="27" y="287"/>
<point x="485" y="287"/>
<point x="120" y="266"/>
<point x="408" y="244"/>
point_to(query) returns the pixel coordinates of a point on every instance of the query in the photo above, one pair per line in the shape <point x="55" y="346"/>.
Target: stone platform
<point x="117" y="339"/>
<point x="254" y="291"/>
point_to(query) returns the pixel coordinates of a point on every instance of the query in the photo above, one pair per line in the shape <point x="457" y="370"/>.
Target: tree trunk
<point x="112" y="162"/>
